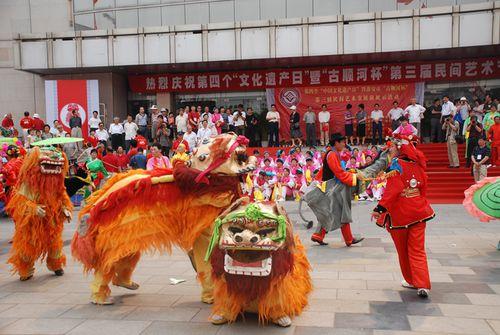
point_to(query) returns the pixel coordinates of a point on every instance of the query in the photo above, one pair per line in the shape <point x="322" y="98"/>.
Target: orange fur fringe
<point x="143" y="217"/>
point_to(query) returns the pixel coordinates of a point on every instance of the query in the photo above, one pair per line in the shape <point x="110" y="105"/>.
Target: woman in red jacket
<point x="404" y="211"/>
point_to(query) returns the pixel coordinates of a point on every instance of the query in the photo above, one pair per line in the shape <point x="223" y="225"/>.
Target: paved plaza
<point x="356" y="290"/>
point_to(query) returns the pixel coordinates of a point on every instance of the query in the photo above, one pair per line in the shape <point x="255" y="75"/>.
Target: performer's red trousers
<point x="345" y="228"/>
<point x="410" y="245"/>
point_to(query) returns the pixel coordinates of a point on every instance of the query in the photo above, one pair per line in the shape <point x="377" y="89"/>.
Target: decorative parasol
<point x="57" y="140"/>
<point x="482" y="199"/>
<point x="12" y="140"/>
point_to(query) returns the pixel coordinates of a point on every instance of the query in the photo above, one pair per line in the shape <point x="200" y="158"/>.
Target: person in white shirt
<point x="273" y="120"/>
<point x="203" y="133"/>
<point x="395" y="114"/>
<point x="190" y="137"/>
<point x="102" y="134"/>
<point x="377" y="117"/>
<point x="116" y="131"/>
<point x="447" y="107"/>
<point x="130" y="129"/>
<point x="415" y="114"/>
<point x="54" y="130"/>
<point x="324" y="125"/>
<point x="181" y="121"/>
<point x="239" y="120"/>
<point x="94" y="121"/>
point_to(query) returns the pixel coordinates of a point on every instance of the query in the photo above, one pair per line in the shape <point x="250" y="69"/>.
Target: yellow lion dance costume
<point x="143" y="211"/>
<point x="259" y="266"/>
<point x="39" y="208"/>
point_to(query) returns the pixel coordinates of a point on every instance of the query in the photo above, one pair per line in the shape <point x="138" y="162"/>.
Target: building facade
<point x="128" y="44"/>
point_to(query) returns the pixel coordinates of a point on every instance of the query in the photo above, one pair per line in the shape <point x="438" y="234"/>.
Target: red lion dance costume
<point x="404" y="211"/>
<point x="39" y="207"/>
<point x="143" y="211"/>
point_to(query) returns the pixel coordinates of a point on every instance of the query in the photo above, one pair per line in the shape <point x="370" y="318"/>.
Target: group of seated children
<point x="284" y="176"/>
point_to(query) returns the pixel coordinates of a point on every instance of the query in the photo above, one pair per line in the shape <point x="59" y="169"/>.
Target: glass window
<point x="272" y="9"/>
<point x="105" y="20"/>
<point x="84" y="22"/>
<point x="122" y="3"/>
<point x="354" y="6"/>
<point x="326" y="7"/>
<point x="82" y="5"/>
<point x="173" y="15"/>
<point x="127" y="18"/>
<point x="381" y="5"/>
<point x="222" y="11"/>
<point x="103" y="4"/>
<point x="149" y="2"/>
<point x="246" y="10"/>
<point x="299" y="8"/>
<point x="149" y="17"/>
<point x="197" y="13"/>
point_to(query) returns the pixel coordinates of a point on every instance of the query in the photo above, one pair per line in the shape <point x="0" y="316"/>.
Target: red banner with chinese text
<point x="336" y="98"/>
<point x="72" y="96"/>
<point x="465" y="69"/>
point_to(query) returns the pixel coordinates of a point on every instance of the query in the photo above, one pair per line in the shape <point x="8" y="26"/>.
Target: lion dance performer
<point x="142" y="211"/>
<point x="404" y="211"/>
<point x="39" y="206"/>
<point x="333" y="210"/>
<point x="258" y="264"/>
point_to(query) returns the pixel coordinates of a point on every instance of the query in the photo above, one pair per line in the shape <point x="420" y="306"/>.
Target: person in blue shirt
<point x="139" y="160"/>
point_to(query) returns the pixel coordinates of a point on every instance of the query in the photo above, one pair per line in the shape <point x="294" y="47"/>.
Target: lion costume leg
<point x="123" y="271"/>
<point x="100" y="288"/>
<point x="56" y="259"/>
<point x="203" y="268"/>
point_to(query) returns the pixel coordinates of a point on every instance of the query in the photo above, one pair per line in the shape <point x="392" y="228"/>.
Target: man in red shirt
<point x="7" y="121"/>
<point x="26" y="122"/>
<point x="340" y="196"/>
<point x="178" y="141"/>
<point x="404" y="211"/>
<point x="38" y="123"/>
<point x="194" y="118"/>
<point x="121" y="160"/>
<point x="110" y="161"/>
<point x="494" y="137"/>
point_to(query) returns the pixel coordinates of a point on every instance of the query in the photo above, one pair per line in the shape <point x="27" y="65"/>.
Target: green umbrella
<point x="8" y="140"/>
<point x="57" y="140"/>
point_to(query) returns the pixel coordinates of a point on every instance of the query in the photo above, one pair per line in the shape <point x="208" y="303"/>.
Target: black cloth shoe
<point x="356" y="240"/>
<point x="59" y="272"/>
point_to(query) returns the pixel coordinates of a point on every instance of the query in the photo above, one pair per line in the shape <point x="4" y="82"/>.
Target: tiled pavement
<point x="356" y="290"/>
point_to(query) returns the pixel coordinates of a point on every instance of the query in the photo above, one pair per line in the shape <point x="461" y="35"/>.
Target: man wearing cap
<point x="340" y="205"/>
<point x="38" y="123"/>
<point x="141" y="120"/>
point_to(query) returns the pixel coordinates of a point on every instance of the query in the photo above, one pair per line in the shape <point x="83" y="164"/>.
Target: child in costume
<point x="294" y="166"/>
<point x="300" y="184"/>
<point x="360" y="157"/>
<point x="352" y="164"/>
<point x="287" y="184"/>
<point x="96" y="168"/>
<point x="375" y="188"/>
<point x="180" y="154"/>
<point x="39" y="206"/>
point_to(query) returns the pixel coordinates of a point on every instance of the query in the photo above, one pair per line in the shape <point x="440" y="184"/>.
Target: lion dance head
<point x="257" y="262"/>
<point x="44" y="169"/>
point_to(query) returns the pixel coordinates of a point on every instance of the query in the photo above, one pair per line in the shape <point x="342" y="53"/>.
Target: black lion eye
<point x="265" y="232"/>
<point x="235" y="230"/>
